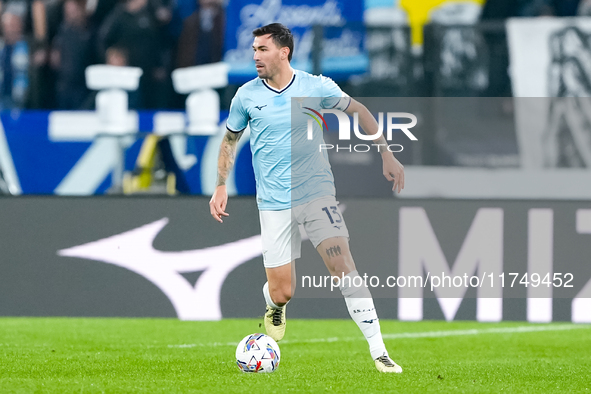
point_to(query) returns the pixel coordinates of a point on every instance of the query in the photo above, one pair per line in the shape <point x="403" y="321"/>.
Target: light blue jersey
<point x="289" y="169"/>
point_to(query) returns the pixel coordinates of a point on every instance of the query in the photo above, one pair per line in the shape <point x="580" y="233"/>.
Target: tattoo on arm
<point x="227" y="156"/>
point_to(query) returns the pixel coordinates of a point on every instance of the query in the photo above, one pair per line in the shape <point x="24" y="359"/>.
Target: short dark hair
<point x="280" y="34"/>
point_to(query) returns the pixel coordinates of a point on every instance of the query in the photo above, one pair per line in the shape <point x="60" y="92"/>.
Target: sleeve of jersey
<point x="238" y="117"/>
<point x="332" y="95"/>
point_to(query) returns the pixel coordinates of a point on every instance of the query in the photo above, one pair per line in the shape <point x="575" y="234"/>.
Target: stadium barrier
<point x="160" y="256"/>
<point x="474" y="136"/>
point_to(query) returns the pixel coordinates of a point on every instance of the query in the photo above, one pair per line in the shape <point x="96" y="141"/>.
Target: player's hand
<point x="393" y="171"/>
<point x="217" y="204"/>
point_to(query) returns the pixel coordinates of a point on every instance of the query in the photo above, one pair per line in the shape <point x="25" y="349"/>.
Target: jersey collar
<point x="282" y="90"/>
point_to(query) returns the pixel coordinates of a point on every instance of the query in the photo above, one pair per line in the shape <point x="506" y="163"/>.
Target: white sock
<point x="268" y="296"/>
<point x="361" y="308"/>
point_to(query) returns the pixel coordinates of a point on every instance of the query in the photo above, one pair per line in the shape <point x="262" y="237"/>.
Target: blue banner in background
<point x="43" y="164"/>
<point x="343" y="52"/>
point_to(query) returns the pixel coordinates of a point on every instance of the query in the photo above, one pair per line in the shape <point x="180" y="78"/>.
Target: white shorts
<point x="280" y="230"/>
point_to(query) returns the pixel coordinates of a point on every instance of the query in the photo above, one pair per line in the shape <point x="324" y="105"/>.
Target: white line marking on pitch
<point x="410" y="335"/>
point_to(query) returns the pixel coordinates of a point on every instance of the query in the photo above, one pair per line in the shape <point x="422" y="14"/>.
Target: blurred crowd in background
<point x="47" y="44"/>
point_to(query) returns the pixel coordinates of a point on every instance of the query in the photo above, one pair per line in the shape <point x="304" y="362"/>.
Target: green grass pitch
<point x="62" y="355"/>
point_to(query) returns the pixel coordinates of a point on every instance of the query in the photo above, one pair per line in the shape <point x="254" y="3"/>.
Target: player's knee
<point x="341" y="265"/>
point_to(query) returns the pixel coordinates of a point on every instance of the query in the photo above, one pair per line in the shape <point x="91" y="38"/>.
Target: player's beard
<point x="268" y="71"/>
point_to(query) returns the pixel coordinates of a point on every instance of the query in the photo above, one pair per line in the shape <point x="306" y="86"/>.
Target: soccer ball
<point x="258" y="353"/>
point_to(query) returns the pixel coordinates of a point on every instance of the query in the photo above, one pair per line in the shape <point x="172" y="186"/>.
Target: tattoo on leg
<point x="333" y="251"/>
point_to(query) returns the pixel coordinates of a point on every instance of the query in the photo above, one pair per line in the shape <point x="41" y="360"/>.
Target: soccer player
<point x="265" y="104"/>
